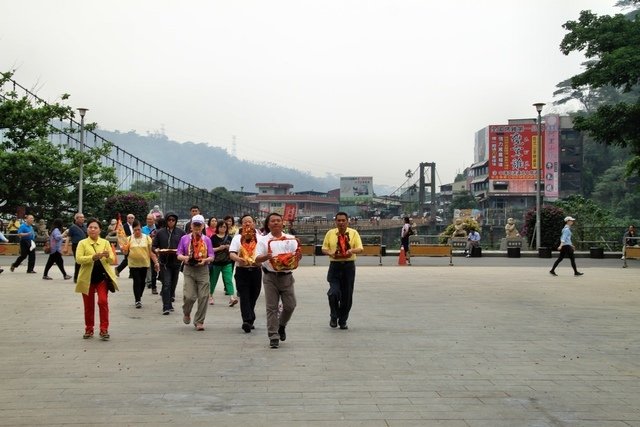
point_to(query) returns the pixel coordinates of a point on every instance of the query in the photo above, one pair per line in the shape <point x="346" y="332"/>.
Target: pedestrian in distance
<point x="341" y="244"/>
<point x="211" y="227"/>
<point x="3" y="239"/>
<point x="222" y="264"/>
<point x="566" y="248"/>
<point x="96" y="276"/>
<point x="138" y="250"/>
<point x="150" y="230"/>
<point x="127" y="227"/>
<point x="404" y="238"/>
<point x="76" y="232"/>
<point x="55" y="252"/>
<point x="165" y="245"/>
<point x="27" y="236"/>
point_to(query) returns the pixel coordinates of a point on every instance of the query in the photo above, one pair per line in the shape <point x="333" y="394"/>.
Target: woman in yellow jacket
<point x="95" y="257"/>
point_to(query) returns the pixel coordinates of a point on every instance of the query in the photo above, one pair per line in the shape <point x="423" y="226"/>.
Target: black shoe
<point x="166" y="312"/>
<point x="553" y="273"/>
<point x="577" y="273"/>
<point x="333" y="322"/>
<point x="1" y="270"/>
<point x="282" y="333"/>
<point x="274" y="343"/>
<point x="246" y="327"/>
<point x="154" y="291"/>
<point x="31" y="272"/>
<point x="344" y="326"/>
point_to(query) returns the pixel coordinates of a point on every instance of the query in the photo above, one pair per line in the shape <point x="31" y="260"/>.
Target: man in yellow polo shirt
<point x="341" y="244"/>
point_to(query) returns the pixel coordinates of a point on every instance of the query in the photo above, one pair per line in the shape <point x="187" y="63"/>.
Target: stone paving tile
<point x="431" y="345"/>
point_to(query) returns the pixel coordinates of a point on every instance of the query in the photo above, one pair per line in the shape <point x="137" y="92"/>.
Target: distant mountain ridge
<point x="208" y="167"/>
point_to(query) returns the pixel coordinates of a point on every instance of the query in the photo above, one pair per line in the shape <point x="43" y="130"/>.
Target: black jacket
<point x="166" y="239"/>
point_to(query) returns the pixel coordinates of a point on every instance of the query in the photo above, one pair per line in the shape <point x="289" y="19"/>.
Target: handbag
<point x="47" y="247"/>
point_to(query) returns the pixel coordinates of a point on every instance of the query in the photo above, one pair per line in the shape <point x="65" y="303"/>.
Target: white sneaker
<point x="622" y="257"/>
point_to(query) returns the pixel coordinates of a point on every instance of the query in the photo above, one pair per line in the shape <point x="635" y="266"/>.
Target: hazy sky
<point x="351" y="87"/>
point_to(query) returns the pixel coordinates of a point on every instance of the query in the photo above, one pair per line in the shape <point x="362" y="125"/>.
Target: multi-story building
<point x="504" y="174"/>
<point x="276" y="197"/>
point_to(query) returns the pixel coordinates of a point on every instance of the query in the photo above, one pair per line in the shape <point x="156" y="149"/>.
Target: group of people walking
<point x="203" y="253"/>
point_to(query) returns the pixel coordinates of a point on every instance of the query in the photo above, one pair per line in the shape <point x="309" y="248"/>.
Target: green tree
<point x="619" y="195"/>
<point x="462" y="200"/>
<point x="125" y="203"/>
<point x="38" y="174"/>
<point x="612" y="45"/>
<point x="551" y="223"/>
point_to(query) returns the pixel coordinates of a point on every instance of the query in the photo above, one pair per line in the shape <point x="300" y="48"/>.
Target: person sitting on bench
<point x="473" y="241"/>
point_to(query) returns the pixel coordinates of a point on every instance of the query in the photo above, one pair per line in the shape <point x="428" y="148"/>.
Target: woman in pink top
<point x="211" y="227"/>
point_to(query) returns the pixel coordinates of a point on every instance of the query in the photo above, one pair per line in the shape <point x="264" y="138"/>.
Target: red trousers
<point x="90" y="306"/>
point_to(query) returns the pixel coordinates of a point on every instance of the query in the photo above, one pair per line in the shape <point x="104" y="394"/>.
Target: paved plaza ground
<point x="487" y="342"/>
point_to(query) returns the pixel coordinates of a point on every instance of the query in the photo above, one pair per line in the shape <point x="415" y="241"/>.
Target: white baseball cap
<point x="569" y="218"/>
<point x="197" y="219"/>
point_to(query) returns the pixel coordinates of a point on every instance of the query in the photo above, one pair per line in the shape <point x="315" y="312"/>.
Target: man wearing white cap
<point x="566" y="248"/>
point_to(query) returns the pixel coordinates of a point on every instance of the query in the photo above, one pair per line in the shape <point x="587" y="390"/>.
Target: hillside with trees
<point x="210" y="167"/>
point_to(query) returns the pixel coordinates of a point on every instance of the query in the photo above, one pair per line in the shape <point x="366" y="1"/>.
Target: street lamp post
<point x="82" y="112"/>
<point x="539" y="106"/>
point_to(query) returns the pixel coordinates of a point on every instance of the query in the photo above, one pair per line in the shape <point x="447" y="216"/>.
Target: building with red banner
<point x="503" y="176"/>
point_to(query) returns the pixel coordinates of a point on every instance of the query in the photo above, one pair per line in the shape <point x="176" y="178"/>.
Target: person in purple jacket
<point x="55" y="255"/>
<point x="196" y="253"/>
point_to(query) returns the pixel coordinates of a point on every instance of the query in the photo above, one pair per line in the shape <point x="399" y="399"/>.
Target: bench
<point x="630" y="252"/>
<point x="10" y="249"/>
<point x="431" y="250"/>
<point x="308" y="250"/>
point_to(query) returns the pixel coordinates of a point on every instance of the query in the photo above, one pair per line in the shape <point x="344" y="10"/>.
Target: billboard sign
<point x="356" y="189"/>
<point x="512" y="152"/>
<point x="551" y="169"/>
<point x="289" y="212"/>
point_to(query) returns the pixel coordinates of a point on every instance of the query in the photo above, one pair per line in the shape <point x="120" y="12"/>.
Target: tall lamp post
<point x="539" y="106"/>
<point x="82" y="112"/>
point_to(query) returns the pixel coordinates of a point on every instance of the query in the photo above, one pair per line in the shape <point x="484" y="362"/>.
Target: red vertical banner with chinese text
<point x="290" y="211"/>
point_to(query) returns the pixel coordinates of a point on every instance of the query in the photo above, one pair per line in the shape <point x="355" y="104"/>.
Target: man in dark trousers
<point x="27" y="235"/>
<point x="164" y="245"/>
<point x="76" y="232"/>
<point x="341" y="244"/>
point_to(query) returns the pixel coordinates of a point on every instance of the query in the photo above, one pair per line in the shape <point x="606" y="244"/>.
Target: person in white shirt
<point x="248" y="274"/>
<point x="279" y="253"/>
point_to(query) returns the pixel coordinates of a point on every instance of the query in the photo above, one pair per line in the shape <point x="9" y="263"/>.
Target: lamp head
<point x="539" y="106"/>
<point x="82" y="111"/>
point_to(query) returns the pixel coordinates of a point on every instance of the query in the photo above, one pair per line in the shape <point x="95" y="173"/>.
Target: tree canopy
<point x="612" y="47"/>
<point x="39" y="175"/>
